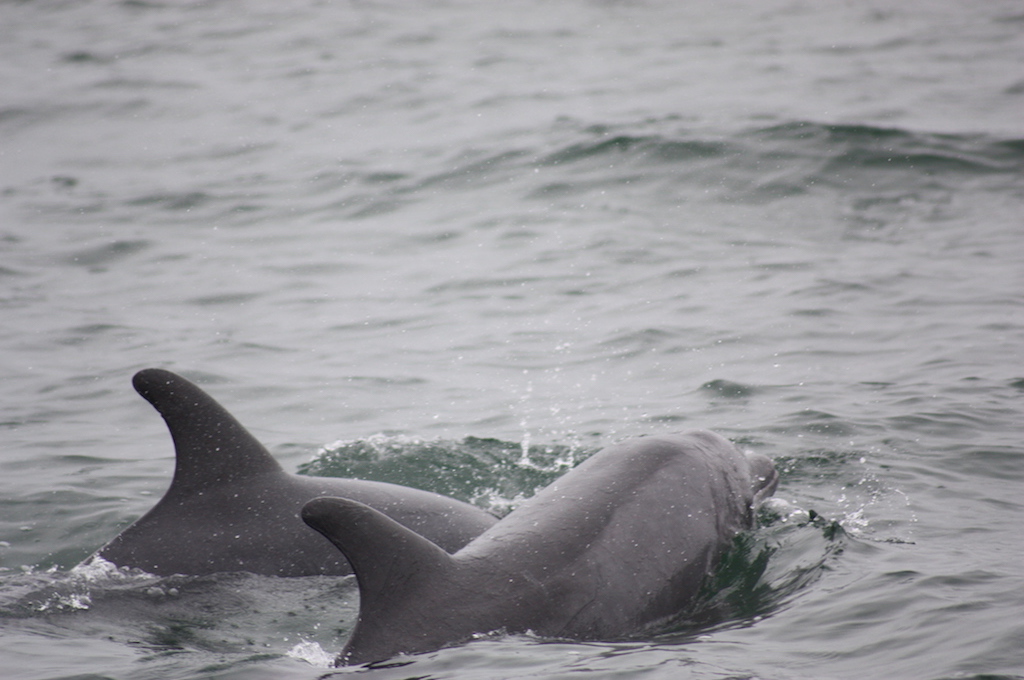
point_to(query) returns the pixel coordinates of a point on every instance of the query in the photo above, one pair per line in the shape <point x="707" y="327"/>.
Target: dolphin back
<point x="231" y="507"/>
<point x="622" y="541"/>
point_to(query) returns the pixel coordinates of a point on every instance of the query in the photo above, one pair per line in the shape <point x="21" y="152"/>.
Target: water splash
<point x="53" y="591"/>
<point x="490" y="473"/>
<point x="101" y="571"/>
<point x="312" y="653"/>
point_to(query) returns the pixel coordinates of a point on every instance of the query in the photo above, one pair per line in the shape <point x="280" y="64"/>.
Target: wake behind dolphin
<point x="619" y="543"/>
<point x="231" y="507"/>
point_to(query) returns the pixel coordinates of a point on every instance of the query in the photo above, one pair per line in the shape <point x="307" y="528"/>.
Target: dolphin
<point x="613" y="547"/>
<point x="231" y="507"/>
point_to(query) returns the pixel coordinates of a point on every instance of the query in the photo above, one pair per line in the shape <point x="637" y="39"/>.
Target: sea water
<point x="463" y="245"/>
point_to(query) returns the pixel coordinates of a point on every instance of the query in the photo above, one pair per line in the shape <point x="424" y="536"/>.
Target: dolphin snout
<point x="763" y="477"/>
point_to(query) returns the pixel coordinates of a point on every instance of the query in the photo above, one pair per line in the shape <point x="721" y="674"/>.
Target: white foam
<point x="785" y="511"/>
<point x="98" y="570"/>
<point x="312" y="653"/>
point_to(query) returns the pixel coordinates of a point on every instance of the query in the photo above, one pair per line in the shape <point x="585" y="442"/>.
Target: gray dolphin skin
<point x="231" y="507"/>
<point x="615" y="545"/>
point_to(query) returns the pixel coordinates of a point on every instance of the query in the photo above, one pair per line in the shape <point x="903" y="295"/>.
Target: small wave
<point x="755" y="165"/>
<point x="813" y="421"/>
<point x="107" y="253"/>
<point x="764" y="164"/>
<point x="868" y="146"/>
<point x="655" y="148"/>
<point x="729" y="389"/>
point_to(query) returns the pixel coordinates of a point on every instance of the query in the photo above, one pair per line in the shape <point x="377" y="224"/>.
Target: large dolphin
<point x="614" y="546"/>
<point x="231" y="507"/>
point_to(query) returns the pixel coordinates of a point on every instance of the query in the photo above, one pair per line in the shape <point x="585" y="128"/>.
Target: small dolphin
<point x="231" y="507"/>
<point x="619" y="543"/>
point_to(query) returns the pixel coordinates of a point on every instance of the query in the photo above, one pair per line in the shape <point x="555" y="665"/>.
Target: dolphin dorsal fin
<point x="394" y="567"/>
<point x="210" y="446"/>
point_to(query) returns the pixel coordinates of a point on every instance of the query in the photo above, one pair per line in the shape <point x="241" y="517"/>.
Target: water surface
<point x="461" y="247"/>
